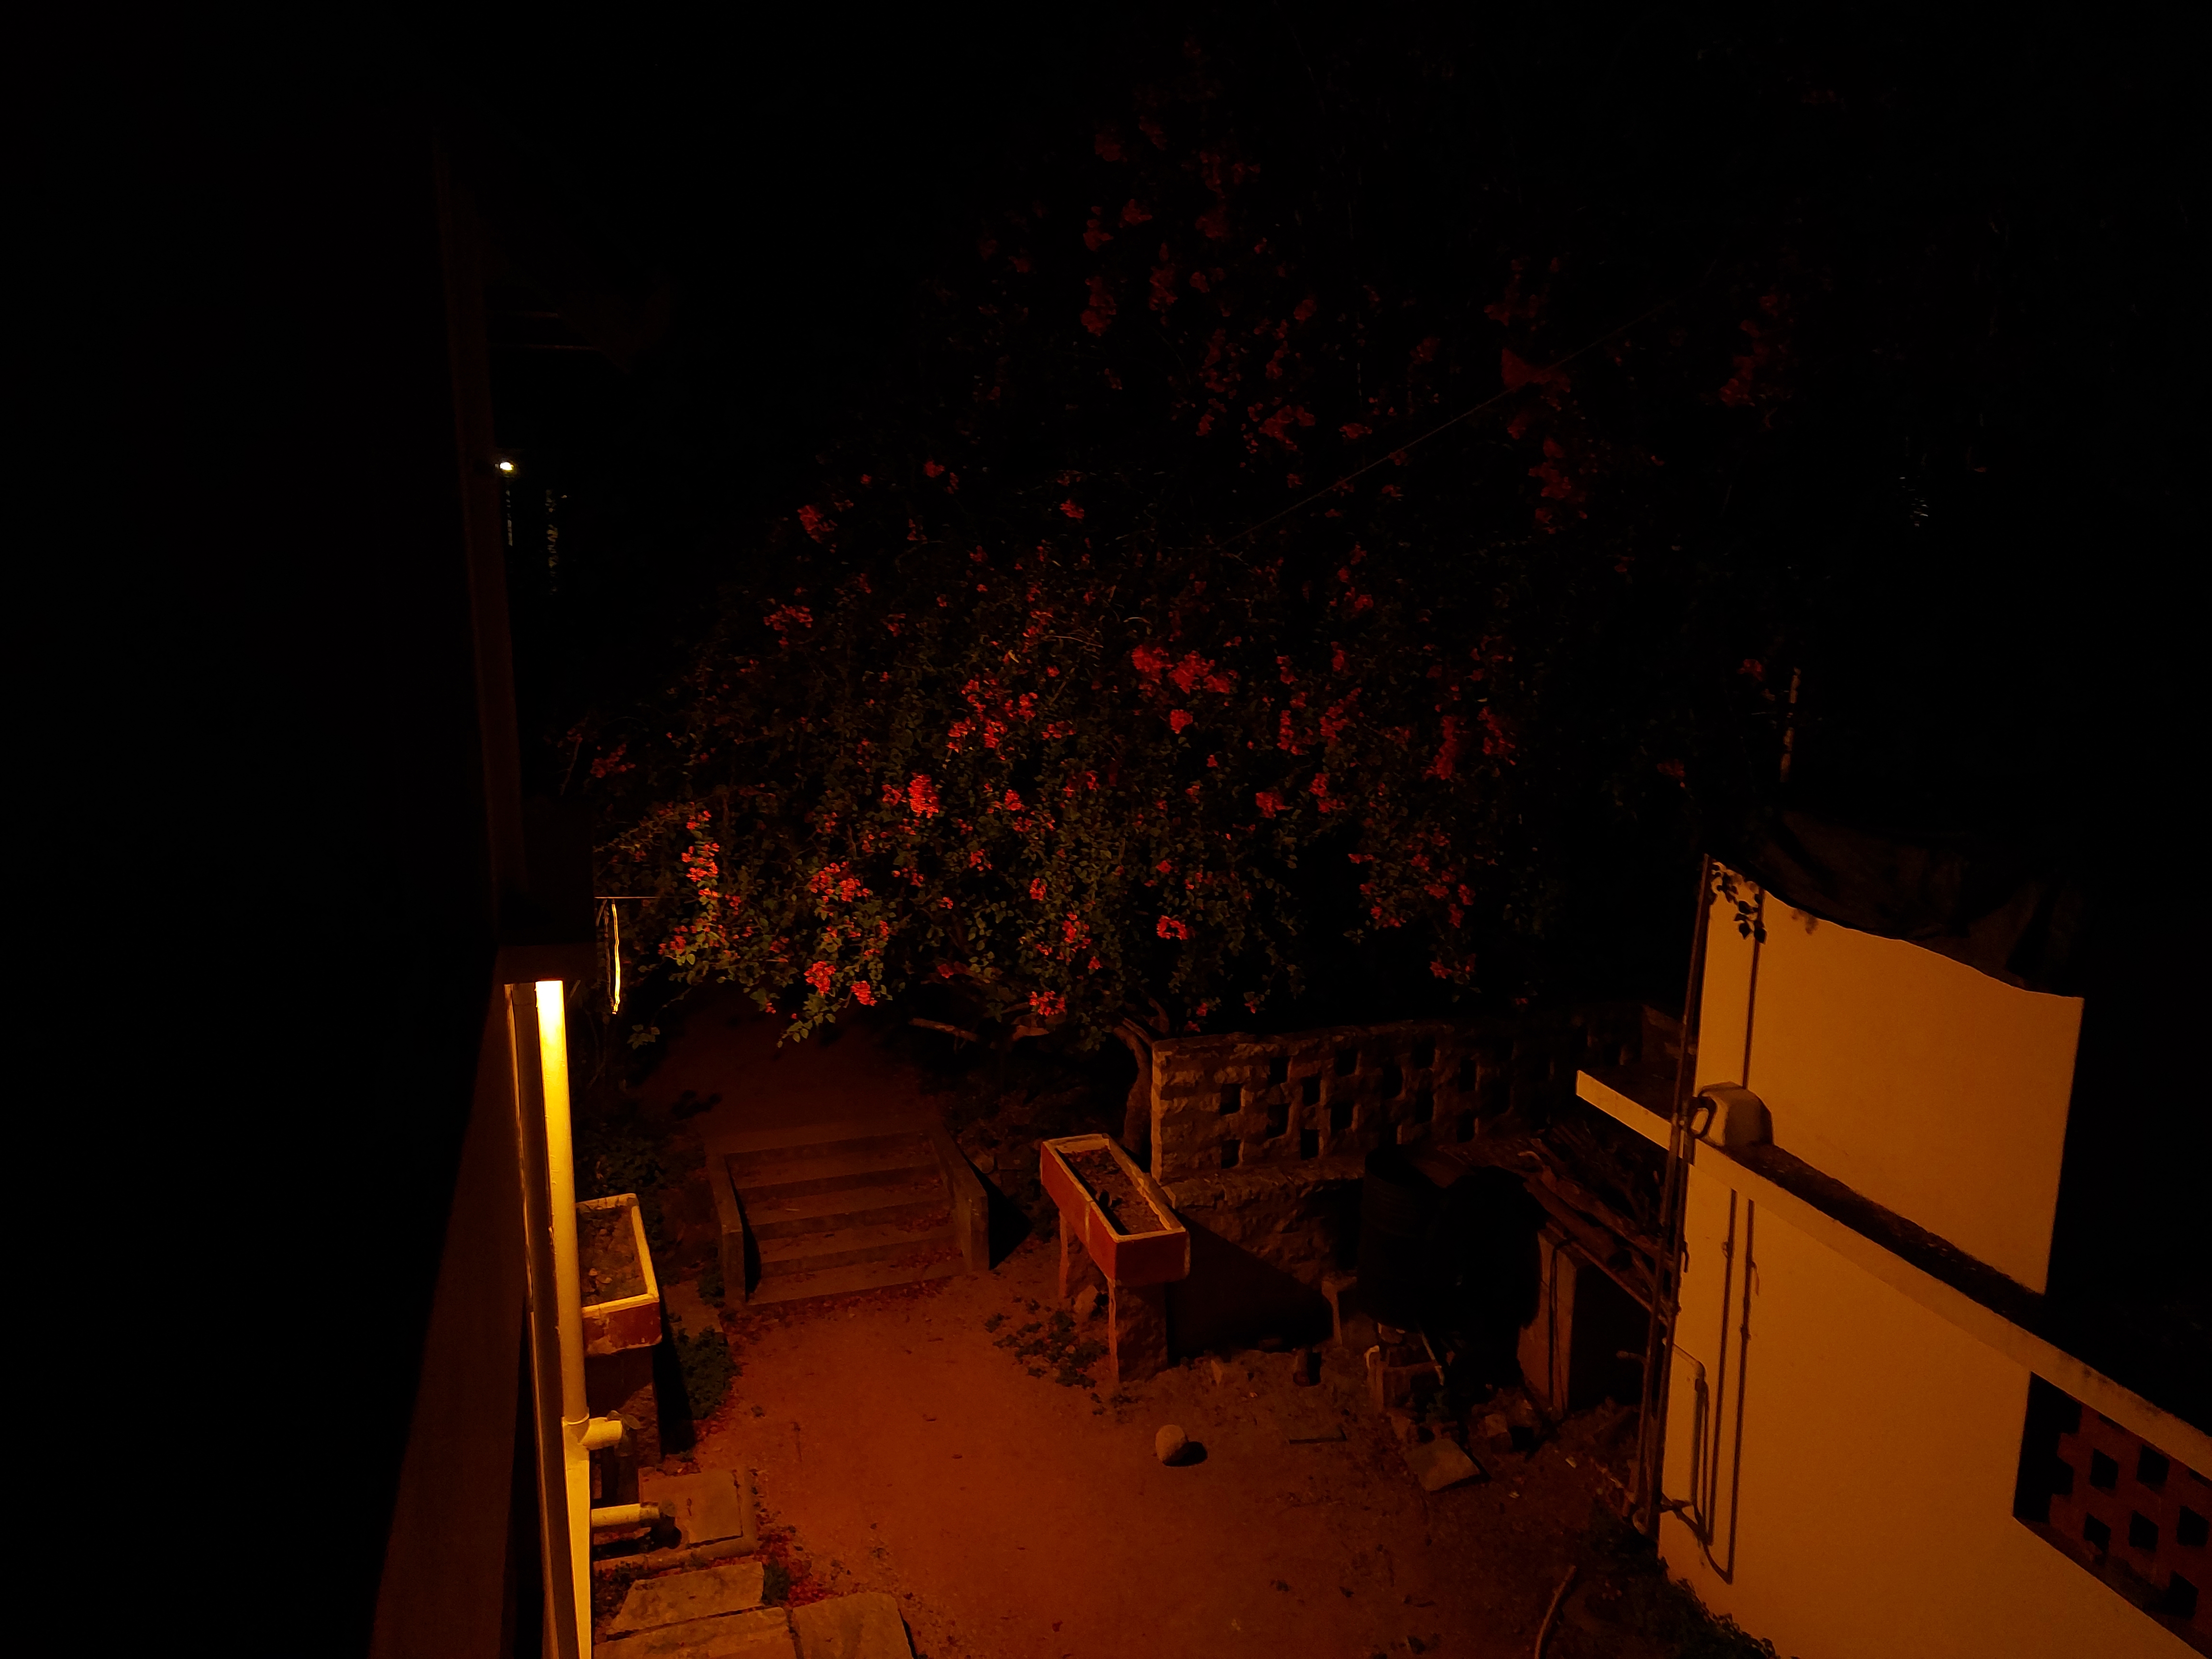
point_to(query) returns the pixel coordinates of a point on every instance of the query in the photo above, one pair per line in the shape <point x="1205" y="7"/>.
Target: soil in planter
<point x="1117" y="1195"/>
<point x="606" y="1248"/>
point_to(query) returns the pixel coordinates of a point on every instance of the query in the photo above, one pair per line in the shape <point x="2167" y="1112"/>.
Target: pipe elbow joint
<point x="602" y="1432"/>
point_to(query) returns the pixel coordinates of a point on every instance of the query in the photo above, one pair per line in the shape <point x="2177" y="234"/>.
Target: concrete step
<point x="862" y="1206"/>
<point x="809" y="1252"/>
<point x="846" y="1281"/>
<point x="829" y="1169"/>
<point x="826" y="1140"/>
<point x="771" y="1137"/>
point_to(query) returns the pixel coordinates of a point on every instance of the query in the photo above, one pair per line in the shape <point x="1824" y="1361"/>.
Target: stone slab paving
<point x="764" y="1633"/>
<point x="702" y="1593"/>
<point x="705" y="1507"/>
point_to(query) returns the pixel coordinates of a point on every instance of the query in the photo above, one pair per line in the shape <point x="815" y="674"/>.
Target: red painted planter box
<point x="1153" y="1257"/>
<point x="630" y="1322"/>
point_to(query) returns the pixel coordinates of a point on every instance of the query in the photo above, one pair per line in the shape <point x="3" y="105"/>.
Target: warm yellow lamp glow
<point x="560" y="1196"/>
<point x="506" y="466"/>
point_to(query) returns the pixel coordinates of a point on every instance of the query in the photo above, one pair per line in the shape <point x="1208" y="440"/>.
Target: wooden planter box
<point x="623" y="1322"/>
<point x="1151" y="1257"/>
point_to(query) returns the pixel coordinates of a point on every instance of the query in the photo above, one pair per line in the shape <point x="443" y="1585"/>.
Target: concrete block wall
<point x="1329" y="1097"/>
<point x="1261" y="1141"/>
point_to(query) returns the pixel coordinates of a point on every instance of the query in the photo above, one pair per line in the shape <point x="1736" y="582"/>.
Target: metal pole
<point x="1666" y="1267"/>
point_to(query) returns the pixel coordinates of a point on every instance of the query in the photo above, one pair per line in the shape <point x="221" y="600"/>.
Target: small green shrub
<point x="708" y="1370"/>
<point x="617" y="1152"/>
<point x="775" y="1580"/>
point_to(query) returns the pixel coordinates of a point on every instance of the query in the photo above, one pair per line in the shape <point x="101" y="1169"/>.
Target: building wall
<point x="448" y="1584"/>
<point x="1928" y="1087"/>
<point x="1858" y="1459"/>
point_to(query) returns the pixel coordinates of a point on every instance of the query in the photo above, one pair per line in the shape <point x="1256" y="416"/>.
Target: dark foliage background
<point x="1916" y="375"/>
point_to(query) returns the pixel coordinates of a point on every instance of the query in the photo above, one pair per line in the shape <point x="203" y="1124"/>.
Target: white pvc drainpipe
<point x="624" y="1515"/>
<point x="567" y="1441"/>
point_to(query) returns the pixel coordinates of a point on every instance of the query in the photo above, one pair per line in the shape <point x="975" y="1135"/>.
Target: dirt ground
<point x="903" y="1451"/>
<point x="900" y="1445"/>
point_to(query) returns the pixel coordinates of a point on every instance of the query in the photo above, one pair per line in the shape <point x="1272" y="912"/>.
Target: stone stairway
<point x="828" y="1209"/>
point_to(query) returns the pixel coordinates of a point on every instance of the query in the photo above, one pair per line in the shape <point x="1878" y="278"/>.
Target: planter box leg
<point x="1137" y="1343"/>
<point x="1076" y="1268"/>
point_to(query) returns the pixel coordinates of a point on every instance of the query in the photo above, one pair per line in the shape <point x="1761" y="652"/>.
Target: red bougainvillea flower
<point x="922" y="796"/>
<point x="1446" y="761"/>
<point x="820" y="975"/>
<point x="865" y="994"/>
<point x="1178" y="718"/>
<point x="786" y="617"/>
<point x="817" y="523"/>
<point x="1170" y="928"/>
<point x="1070" y="508"/>
<point x="1268" y="802"/>
<point x="1051" y="1004"/>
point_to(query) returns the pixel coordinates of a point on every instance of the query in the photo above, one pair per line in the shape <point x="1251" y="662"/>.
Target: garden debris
<point x="1054" y="1341"/>
<point x="1439" y="1463"/>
